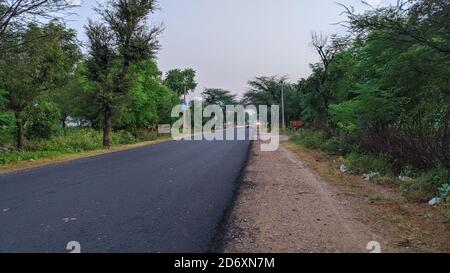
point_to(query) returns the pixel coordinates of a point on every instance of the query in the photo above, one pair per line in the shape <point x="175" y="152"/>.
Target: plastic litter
<point x="343" y="168"/>
<point x="435" y="201"/>
<point x="371" y="175"/>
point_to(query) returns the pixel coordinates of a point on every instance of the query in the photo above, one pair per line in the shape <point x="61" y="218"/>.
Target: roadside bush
<point x="79" y="140"/>
<point x="146" y="135"/>
<point x="444" y="192"/>
<point x="7" y="129"/>
<point x="337" y="146"/>
<point x="43" y="121"/>
<point x="363" y="163"/>
<point x="428" y="185"/>
<point x="74" y="140"/>
<point x="122" y="138"/>
<point x="309" y="139"/>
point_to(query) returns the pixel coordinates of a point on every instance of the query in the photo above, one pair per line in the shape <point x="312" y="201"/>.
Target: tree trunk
<point x="63" y="122"/>
<point x="107" y="129"/>
<point x="19" y="129"/>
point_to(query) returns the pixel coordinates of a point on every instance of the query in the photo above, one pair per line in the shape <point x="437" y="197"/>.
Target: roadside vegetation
<point x="416" y="185"/>
<point x="56" y="100"/>
<point x="379" y="97"/>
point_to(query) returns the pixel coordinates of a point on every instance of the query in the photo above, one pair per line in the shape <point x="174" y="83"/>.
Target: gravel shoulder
<point x="286" y="206"/>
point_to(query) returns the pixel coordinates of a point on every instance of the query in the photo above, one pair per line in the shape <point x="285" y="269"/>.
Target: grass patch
<point x="73" y="141"/>
<point x="364" y="163"/>
<point x="309" y="139"/>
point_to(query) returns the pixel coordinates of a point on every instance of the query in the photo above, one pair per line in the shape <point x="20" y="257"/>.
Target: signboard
<point x="164" y="128"/>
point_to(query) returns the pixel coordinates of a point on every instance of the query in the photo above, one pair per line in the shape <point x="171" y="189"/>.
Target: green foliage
<point x="119" y="41"/>
<point x="14" y="157"/>
<point x="42" y="120"/>
<point x="220" y="97"/>
<point x="337" y="146"/>
<point x="265" y="91"/>
<point x="7" y="128"/>
<point x="364" y="163"/>
<point x="150" y="101"/>
<point x="309" y="139"/>
<point x="72" y="141"/>
<point x="428" y="184"/>
<point x="41" y="61"/>
<point x="382" y="99"/>
<point x="181" y="81"/>
<point x="444" y="191"/>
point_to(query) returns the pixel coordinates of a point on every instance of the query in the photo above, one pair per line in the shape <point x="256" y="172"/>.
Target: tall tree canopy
<point x="220" y="97"/>
<point x="16" y="15"/>
<point x="35" y="67"/>
<point x="265" y="91"/>
<point x="120" y="40"/>
<point x="181" y="81"/>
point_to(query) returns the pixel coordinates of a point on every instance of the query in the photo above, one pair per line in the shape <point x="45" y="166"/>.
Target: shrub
<point x="428" y="184"/>
<point x="363" y="163"/>
<point x="309" y="139"/>
<point x="7" y="128"/>
<point x="42" y="121"/>
<point x="146" y="135"/>
<point x="337" y="146"/>
<point x="444" y="191"/>
<point x="122" y="138"/>
<point x="79" y="140"/>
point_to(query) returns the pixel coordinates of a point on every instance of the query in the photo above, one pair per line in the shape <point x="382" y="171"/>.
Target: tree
<point x="121" y="39"/>
<point x="16" y="15"/>
<point x="220" y="97"/>
<point x="36" y="67"/>
<point x="150" y="101"/>
<point x="181" y="81"/>
<point x="101" y="68"/>
<point x="264" y="91"/>
<point x="424" y="22"/>
<point x="73" y="99"/>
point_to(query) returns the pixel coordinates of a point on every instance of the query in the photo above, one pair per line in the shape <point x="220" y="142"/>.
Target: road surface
<point x="169" y="197"/>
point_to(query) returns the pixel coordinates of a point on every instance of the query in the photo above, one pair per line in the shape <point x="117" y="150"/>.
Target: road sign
<point x="164" y="128"/>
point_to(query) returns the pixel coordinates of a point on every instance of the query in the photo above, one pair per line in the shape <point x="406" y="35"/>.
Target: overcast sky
<point x="229" y="42"/>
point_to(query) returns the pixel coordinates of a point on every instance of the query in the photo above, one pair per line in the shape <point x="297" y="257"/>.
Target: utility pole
<point x="282" y="107"/>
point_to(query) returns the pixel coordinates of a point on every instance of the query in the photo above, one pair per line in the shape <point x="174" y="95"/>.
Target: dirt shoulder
<point x="292" y="201"/>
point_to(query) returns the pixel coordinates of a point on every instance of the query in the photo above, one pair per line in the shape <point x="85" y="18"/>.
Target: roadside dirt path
<point x="284" y="206"/>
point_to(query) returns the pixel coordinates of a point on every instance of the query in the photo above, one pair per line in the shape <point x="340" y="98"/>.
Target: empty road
<point x="168" y="197"/>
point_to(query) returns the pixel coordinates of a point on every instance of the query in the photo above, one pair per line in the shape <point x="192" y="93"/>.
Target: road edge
<point x="217" y="244"/>
<point x="44" y="162"/>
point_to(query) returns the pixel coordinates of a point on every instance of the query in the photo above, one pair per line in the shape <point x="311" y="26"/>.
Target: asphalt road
<point x="169" y="197"/>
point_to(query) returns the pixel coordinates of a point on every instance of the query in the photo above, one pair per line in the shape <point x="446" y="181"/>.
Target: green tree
<point x="181" y="81"/>
<point x="121" y="39"/>
<point x="42" y="120"/>
<point x="265" y="91"/>
<point x="422" y="22"/>
<point x="15" y="16"/>
<point x="150" y="101"/>
<point x="214" y="96"/>
<point x="36" y="67"/>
